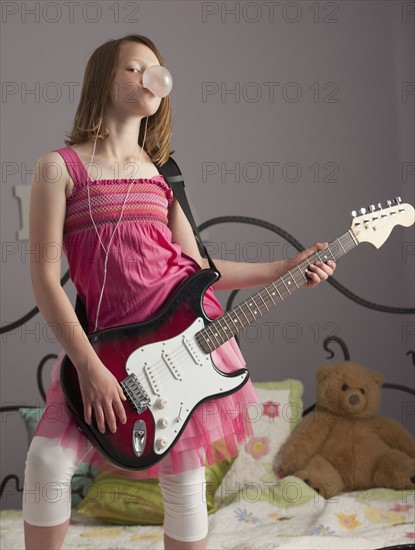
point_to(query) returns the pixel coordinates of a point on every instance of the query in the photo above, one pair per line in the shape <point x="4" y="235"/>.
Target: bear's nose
<point x="354" y="399"/>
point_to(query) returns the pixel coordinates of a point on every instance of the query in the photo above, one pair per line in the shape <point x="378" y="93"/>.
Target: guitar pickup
<point x="153" y="380"/>
<point x="192" y="351"/>
<point x="167" y="358"/>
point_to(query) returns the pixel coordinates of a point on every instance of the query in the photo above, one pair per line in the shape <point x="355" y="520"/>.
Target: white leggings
<point x="47" y="491"/>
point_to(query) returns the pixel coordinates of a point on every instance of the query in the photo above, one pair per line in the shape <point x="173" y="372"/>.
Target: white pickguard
<point x="177" y="375"/>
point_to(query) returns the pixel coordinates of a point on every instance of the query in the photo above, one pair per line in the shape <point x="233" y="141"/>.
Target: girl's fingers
<point x="88" y="413"/>
<point x="317" y="246"/>
<point x="99" y="416"/>
<point x="121" y="393"/>
<point x="119" y="409"/>
<point x="110" y="417"/>
<point x="313" y="277"/>
<point x="320" y="270"/>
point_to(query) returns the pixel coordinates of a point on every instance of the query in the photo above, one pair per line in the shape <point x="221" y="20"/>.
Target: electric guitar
<point x="164" y="364"/>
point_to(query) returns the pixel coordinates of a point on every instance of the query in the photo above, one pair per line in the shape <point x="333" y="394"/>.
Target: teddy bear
<point x="344" y="445"/>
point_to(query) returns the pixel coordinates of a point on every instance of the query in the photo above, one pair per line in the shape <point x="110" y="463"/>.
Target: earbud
<point x="158" y="80"/>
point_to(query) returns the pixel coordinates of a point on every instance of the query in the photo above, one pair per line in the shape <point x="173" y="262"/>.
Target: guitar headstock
<point x="374" y="224"/>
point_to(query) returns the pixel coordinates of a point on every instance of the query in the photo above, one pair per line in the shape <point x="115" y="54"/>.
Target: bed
<point x="370" y="519"/>
<point x="250" y="507"/>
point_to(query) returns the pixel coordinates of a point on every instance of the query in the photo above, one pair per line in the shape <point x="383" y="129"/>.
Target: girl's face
<point x="127" y="94"/>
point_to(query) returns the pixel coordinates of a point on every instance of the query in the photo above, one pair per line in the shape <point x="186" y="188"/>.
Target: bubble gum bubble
<point x="158" y="80"/>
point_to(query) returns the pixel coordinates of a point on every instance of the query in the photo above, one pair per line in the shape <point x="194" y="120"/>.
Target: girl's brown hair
<point x="98" y="79"/>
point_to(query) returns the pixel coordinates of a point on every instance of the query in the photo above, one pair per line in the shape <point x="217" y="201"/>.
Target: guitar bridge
<point x="135" y="392"/>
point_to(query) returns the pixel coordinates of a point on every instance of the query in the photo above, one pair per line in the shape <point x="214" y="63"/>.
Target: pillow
<point x="276" y="414"/>
<point x="139" y="502"/>
<point x="85" y="473"/>
<point x="123" y="501"/>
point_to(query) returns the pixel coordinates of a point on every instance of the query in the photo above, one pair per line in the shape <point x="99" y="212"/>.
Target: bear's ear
<point x="378" y="378"/>
<point x="325" y="370"/>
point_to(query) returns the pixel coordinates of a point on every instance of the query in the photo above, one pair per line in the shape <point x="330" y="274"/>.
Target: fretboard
<point x="248" y="311"/>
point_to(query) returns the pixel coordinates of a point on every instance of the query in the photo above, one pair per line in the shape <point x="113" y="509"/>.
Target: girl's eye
<point x="132" y="69"/>
<point x="345" y="387"/>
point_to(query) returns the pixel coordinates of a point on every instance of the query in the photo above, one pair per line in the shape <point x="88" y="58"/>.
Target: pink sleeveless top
<point x="144" y="266"/>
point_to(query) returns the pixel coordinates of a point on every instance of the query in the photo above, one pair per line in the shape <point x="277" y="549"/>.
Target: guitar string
<point x="245" y="307"/>
<point x="346" y="238"/>
<point x="161" y="370"/>
<point x="161" y="367"/>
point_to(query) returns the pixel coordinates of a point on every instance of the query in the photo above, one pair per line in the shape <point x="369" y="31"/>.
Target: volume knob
<point x="161" y="403"/>
<point x="163" y="422"/>
<point x="161" y="443"/>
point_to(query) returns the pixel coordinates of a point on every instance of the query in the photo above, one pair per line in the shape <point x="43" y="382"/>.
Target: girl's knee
<point x="46" y="499"/>
<point x="47" y="459"/>
<point x="185" y="509"/>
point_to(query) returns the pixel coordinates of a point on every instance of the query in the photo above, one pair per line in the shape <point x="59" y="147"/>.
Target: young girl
<point x="128" y="245"/>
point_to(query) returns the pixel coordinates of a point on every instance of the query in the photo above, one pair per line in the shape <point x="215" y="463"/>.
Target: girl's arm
<point x="46" y="220"/>
<point x="236" y="275"/>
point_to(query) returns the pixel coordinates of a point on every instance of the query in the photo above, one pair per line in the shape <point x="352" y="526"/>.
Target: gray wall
<point x="343" y="105"/>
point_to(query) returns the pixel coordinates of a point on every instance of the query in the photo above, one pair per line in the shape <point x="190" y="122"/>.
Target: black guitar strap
<point x="171" y="173"/>
<point x="173" y="176"/>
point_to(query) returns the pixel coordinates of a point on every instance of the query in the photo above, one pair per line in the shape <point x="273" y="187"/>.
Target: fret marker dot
<point x="289" y="282"/>
<point x="273" y="293"/>
<point x="255" y="311"/>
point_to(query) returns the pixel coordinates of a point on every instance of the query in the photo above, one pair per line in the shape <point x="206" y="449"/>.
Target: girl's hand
<point x="320" y="271"/>
<point x="101" y="391"/>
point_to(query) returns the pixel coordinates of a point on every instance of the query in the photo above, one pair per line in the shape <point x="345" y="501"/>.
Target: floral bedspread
<point x="255" y="509"/>
<point x="283" y="517"/>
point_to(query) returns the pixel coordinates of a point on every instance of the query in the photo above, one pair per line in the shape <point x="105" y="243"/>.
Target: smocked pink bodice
<point x="144" y="264"/>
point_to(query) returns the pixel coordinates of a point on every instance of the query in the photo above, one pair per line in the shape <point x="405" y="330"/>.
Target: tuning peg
<point x="380" y="205"/>
<point x="353" y="213"/>
<point x="362" y="210"/>
<point x="397" y="200"/>
<point x="371" y="208"/>
<point x="389" y="203"/>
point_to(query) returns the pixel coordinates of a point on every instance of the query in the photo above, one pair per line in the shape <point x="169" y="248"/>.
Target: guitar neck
<point x="248" y="311"/>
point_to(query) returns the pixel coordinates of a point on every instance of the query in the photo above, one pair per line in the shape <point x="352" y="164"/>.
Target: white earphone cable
<point x="119" y="220"/>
